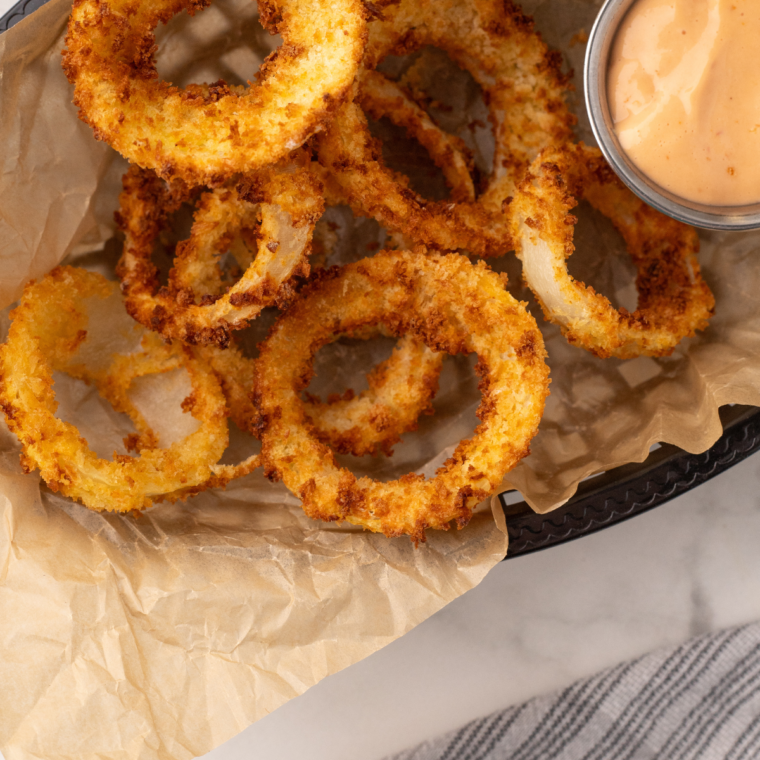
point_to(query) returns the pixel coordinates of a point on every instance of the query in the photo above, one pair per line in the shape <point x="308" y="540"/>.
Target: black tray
<point x="628" y="491"/>
<point x="18" y="11"/>
<point x="616" y="495"/>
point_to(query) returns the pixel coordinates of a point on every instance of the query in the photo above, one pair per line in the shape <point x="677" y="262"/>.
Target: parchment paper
<point x="163" y="636"/>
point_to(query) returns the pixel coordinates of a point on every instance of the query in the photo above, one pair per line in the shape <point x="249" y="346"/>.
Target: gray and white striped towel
<point x="699" y="700"/>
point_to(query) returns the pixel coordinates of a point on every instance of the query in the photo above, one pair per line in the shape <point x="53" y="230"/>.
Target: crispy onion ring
<point x="113" y="384"/>
<point x="203" y="134"/>
<point x="400" y="390"/>
<point x="522" y="85"/>
<point x="453" y="306"/>
<point x="49" y="326"/>
<point x="382" y="97"/>
<point x="379" y="96"/>
<point x="278" y="207"/>
<point x="674" y="300"/>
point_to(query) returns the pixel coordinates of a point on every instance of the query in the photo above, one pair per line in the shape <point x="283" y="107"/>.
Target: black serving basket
<point x="613" y="496"/>
<point x="18" y="11"/>
<point x="630" y="490"/>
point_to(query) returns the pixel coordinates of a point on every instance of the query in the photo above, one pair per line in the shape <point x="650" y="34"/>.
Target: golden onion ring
<point x="522" y="86"/>
<point x="453" y="306"/>
<point x="382" y="97"/>
<point x="206" y="133"/>
<point x="114" y="382"/>
<point x="279" y="207"/>
<point x="674" y="300"/>
<point x="49" y="326"/>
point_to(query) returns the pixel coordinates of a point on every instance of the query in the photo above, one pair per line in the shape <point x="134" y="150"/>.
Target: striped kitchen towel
<point x="699" y="700"/>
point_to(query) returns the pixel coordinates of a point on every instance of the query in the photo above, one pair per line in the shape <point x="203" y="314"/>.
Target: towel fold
<point x="698" y="700"/>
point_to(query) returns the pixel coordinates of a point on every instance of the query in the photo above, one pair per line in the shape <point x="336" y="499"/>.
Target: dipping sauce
<point x="683" y="85"/>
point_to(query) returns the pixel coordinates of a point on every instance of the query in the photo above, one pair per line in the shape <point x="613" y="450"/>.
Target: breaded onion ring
<point x="114" y="382"/>
<point x="49" y="326"/>
<point x="278" y="208"/>
<point x="453" y="306"/>
<point x="205" y="133"/>
<point x="381" y="97"/>
<point x="522" y="86"/>
<point x="674" y="300"/>
<point x="400" y="390"/>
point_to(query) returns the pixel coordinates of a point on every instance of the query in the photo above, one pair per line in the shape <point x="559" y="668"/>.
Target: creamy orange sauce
<point x="684" y="93"/>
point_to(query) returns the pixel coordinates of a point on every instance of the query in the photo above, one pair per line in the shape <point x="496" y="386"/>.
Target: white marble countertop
<point x="536" y="624"/>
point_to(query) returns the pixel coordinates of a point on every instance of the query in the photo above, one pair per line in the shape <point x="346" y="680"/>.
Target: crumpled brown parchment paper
<point x="163" y="636"/>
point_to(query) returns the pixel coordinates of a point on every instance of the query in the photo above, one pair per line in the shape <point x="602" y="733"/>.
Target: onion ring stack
<point x="240" y="156"/>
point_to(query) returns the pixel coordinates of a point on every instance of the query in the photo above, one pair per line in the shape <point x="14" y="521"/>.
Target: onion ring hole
<point x="233" y="50"/>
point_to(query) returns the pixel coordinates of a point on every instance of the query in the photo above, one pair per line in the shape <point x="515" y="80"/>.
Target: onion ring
<point x="206" y="133"/>
<point x="114" y="384"/>
<point x="400" y="390"/>
<point x="114" y="388"/>
<point x="674" y="300"/>
<point x="523" y="87"/>
<point x="49" y="326"/>
<point x="289" y="202"/>
<point x="379" y="96"/>
<point x="453" y="306"/>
